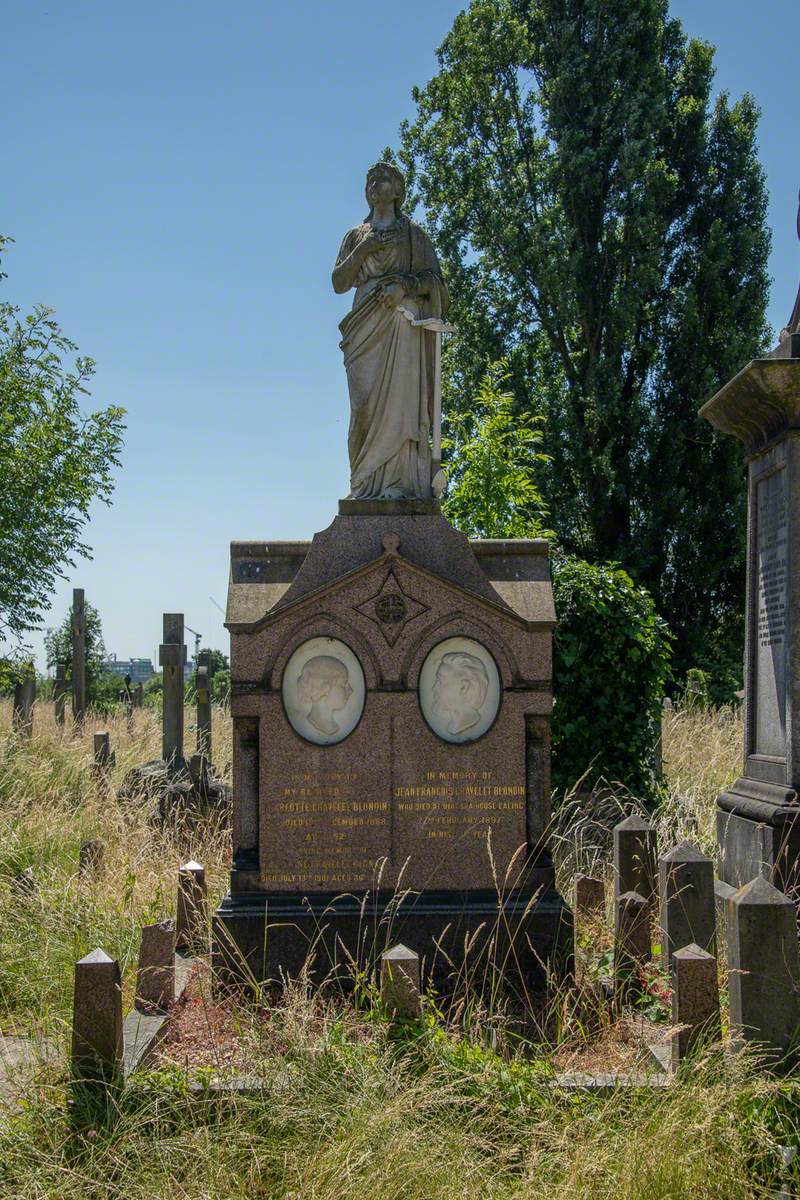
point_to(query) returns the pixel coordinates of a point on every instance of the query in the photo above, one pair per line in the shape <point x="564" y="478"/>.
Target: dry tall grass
<point x="702" y="755"/>
<point x="51" y="801"/>
<point x="350" y="1106"/>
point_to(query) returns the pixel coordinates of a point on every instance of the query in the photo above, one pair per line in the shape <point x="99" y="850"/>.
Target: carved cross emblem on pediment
<point x="391" y="608"/>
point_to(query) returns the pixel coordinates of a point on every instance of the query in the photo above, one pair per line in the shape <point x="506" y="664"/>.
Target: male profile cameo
<point x="323" y="690"/>
<point x="324" y="684"/>
<point x="459" y="689"/>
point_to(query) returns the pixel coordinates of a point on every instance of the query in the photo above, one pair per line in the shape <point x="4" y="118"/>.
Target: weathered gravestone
<point x="757" y="820"/>
<point x="24" y="700"/>
<point x="78" y="627"/>
<point x="60" y="692"/>
<point x="203" y="687"/>
<point x="391" y="680"/>
<point x="172" y="658"/>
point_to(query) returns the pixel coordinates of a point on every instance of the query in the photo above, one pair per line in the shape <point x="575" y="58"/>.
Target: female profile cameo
<point x="323" y="691"/>
<point x="459" y="690"/>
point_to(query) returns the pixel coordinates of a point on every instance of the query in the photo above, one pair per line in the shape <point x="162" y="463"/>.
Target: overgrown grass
<point x="350" y="1106"/>
<point x="51" y="801"/>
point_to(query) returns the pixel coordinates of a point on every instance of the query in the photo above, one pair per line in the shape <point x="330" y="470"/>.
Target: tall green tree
<point x="493" y="465"/>
<point x="602" y="225"/>
<point x="54" y="461"/>
<point x="58" y="647"/>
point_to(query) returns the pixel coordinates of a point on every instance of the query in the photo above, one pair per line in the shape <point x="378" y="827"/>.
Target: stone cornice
<point x="759" y="404"/>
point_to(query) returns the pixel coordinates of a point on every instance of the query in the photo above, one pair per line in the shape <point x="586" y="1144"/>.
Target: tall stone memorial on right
<point x="758" y="818"/>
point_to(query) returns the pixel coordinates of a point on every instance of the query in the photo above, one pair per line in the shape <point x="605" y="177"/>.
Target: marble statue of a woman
<point x="389" y="359"/>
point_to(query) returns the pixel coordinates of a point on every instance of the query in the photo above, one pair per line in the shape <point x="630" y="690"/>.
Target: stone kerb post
<point x="97" y="1019"/>
<point x="695" y="1001"/>
<point x="687" y="914"/>
<point x="60" y="692"/>
<point x="764" y="971"/>
<point x="103" y="754"/>
<point x="400" y="982"/>
<point x="155" y="978"/>
<point x="192" y="910"/>
<point x="172" y="658"/>
<point x="78" y="656"/>
<point x="204" y="711"/>
<point x="590" y="896"/>
<point x="24" y="699"/>
<point x="635" y="854"/>
<point x="90" y="857"/>
<point x="632" y="944"/>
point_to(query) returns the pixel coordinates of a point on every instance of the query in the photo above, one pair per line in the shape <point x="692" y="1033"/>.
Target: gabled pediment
<point x="392" y="601"/>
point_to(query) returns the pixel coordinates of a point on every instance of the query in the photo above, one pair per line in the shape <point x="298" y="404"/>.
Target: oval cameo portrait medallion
<point x="323" y="691"/>
<point x="459" y="689"/>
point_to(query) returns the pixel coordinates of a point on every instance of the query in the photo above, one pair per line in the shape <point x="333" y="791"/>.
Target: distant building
<point x="139" y="669"/>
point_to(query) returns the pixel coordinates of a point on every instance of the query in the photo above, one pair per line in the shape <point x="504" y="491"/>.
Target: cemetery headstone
<point x="126" y="698"/>
<point x="695" y="1001"/>
<point x="155" y="978"/>
<point x="400" y="982"/>
<point x="97" y="1018"/>
<point x="24" y="699"/>
<point x="758" y="818"/>
<point x="60" y="692"/>
<point x="391" y="685"/>
<point x="203" y="684"/>
<point x="635" y="858"/>
<point x="763" y="970"/>
<point x="172" y="658"/>
<point x="686" y="887"/>
<point x="78" y="655"/>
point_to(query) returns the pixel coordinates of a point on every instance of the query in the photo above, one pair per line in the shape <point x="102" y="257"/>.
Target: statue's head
<point x="385" y="181"/>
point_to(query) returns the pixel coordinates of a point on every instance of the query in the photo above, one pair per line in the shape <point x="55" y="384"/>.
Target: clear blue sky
<point x="178" y="178"/>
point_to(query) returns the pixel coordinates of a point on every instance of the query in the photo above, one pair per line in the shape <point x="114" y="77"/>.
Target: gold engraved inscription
<point x="333" y="840"/>
<point x="450" y="805"/>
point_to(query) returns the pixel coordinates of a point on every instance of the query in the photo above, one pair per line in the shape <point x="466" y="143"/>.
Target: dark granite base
<point x="267" y="936"/>
<point x="758" y="833"/>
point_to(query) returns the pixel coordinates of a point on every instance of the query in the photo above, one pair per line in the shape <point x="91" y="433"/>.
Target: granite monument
<point x="758" y="818"/>
<point x="391" y="681"/>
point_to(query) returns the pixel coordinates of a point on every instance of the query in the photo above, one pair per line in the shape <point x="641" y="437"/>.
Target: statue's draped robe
<point x="390" y="367"/>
